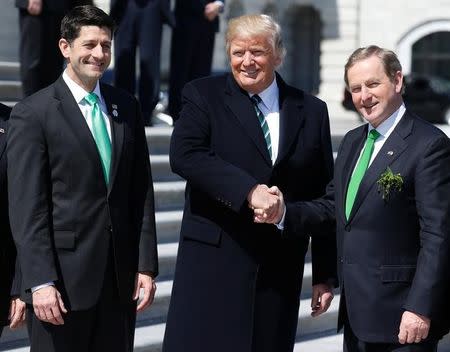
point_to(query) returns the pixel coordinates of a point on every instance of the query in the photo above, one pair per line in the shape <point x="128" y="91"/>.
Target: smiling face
<point x="88" y="56"/>
<point x="374" y="95"/>
<point x="253" y="62"/>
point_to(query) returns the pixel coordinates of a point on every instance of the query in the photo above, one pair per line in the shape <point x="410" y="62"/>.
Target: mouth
<point x="250" y="73"/>
<point x="369" y="107"/>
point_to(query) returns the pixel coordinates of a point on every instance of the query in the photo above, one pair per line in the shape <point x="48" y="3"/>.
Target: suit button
<point x="341" y="260"/>
<point x="348" y="228"/>
<point x="109" y="228"/>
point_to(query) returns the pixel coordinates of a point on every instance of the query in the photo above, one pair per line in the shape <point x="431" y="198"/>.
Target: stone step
<point x="168" y="225"/>
<point x="167" y="257"/>
<point x="149" y="338"/>
<point x="9" y="71"/>
<point x="158" y="139"/>
<point x="10" y="90"/>
<point x="169" y="195"/>
<point x="161" y="170"/>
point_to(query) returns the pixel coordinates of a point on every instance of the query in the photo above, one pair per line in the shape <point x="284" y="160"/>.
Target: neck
<point x="87" y="85"/>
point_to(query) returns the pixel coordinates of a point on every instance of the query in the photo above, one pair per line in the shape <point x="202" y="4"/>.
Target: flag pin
<point x="390" y="153"/>
<point x="2" y="130"/>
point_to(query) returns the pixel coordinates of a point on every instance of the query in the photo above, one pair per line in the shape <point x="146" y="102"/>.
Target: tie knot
<point x="91" y="98"/>
<point x="373" y="134"/>
<point x="256" y="99"/>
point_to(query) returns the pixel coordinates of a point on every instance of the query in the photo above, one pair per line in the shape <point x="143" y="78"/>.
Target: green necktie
<point x="256" y="99"/>
<point x="100" y="133"/>
<point x="360" y="170"/>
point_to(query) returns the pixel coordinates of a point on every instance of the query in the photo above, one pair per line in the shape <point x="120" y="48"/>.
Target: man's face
<point x="88" y="56"/>
<point x="253" y="63"/>
<point x="375" y="96"/>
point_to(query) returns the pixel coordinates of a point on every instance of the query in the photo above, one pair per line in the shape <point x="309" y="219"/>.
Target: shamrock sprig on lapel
<point x="388" y="183"/>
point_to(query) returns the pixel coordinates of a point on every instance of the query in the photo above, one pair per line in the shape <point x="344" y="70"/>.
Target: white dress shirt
<point x="79" y="94"/>
<point x="270" y="107"/>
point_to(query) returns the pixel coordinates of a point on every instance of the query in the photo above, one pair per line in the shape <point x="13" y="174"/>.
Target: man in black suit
<point x="12" y="309"/>
<point x="237" y="284"/>
<point x="40" y="60"/>
<point x="390" y="198"/>
<point x="140" y="25"/>
<point x="77" y="188"/>
<point x="197" y="22"/>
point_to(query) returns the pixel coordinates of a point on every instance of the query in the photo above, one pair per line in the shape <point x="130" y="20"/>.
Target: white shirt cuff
<point x="35" y="288"/>
<point x="280" y="225"/>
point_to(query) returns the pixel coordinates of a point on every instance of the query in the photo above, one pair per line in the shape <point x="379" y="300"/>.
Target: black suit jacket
<point x="60" y="6"/>
<point x="117" y="10"/>
<point x="64" y="218"/>
<point x="191" y="14"/>
<point x="7" y="248"/>
<point x="393" y="255"/>
<point x="219" y="148"/>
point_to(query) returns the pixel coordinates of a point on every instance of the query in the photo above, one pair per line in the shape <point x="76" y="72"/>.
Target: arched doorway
<point x="431" y="55"/>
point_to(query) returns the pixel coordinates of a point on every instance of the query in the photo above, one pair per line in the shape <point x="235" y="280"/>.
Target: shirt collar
<point x="387" y="126"/>
<point x="78" y="92"/>
<point x="269" y="95"/>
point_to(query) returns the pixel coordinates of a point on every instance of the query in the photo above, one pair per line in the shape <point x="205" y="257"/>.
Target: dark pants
<point x="190" y="58"/>
<point x="41" y="62"/>
<point x="141" y="27"/>
<point x="353" y="344"/>
<point x="108" y="326"/>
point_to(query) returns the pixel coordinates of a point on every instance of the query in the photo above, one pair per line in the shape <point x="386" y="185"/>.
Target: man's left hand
<point x="16" y="313"/>
<point x="413" y="328"/>
<point x="321" y="299"/>
<point x="145" y="281"/>
<point x="212" y="10"/>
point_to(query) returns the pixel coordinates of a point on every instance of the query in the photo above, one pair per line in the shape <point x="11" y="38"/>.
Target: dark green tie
<point x="256" y="99"/>
<point x="360" y="170"/>
<point x="100" y="134"/>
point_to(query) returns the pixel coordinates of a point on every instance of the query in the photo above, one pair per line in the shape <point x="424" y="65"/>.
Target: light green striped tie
<point x="100" y="134"/>
<point x="256" y="99"/>
<point x="359" y="172"/>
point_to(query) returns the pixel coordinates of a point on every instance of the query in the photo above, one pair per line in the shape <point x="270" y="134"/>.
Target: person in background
<point x="12" y="309"/>
<point x="140" y="26"/>
<point x="197" y="22"/>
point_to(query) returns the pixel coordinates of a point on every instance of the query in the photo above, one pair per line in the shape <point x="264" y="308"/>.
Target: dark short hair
<point x="391" y="63"/>
<point x="86" y="15"/>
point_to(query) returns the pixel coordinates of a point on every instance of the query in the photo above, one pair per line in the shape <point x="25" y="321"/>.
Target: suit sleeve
<point x="432" y="193"/>
<point x="143" y="185"/>
<point x="29" y="193"/>
<point x="193" y="158"/>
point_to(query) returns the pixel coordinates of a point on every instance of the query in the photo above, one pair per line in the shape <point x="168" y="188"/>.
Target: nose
<point x="97" y="51"/>
<point x="365" y="94"/>
<point x="248" y="58"/>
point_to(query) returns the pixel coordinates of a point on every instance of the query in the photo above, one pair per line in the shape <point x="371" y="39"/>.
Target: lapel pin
<point x="2" y="130"/>
<point x="390" y="153"/>
<point x="114" y="106"/>
<point x="115" y="113"/>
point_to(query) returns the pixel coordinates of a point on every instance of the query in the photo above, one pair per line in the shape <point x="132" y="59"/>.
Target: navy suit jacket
<point x="393" y="254"/>
<point x="64" y="218"/>
<point x="219" y="148"/>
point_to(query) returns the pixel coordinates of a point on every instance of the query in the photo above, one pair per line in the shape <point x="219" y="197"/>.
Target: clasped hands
<point x="267" y="204"/>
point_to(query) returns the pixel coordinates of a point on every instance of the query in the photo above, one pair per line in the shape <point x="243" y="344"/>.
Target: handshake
<point x="267" y="204"/>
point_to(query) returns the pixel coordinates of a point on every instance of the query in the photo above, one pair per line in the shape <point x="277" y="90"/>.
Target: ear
<point x="398" y="81"/>
<point x="64" y="46"/>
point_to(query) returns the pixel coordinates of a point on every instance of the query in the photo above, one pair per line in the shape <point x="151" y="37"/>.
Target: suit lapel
<point x="73" y="116"/>
<point x="291" y="119"/>
<point x="391" y="150"/>
<point x="350" y="154"/>
<point x="117" y="132"/>
<point x="240" y="105"/>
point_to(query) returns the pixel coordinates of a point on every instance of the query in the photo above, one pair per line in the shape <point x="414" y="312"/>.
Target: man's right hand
<point x="262" y="216"/>
<point x="48" y="305"/>
<point x="262" y="199"/>
<point x="34" y="7"/>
